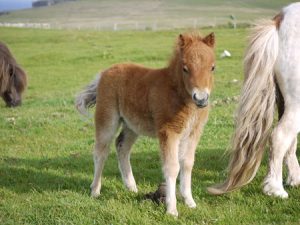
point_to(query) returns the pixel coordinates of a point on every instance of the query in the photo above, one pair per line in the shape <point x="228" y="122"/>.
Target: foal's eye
<point x="185" y="69"/>
<point x="213" y="68"/>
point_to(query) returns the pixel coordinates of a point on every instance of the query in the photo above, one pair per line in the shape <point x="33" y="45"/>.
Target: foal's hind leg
<point x="281" y="140"/>
<point x="292" y="163"/>
<point x="123" y="145"/>
<point x="106" y="122"/>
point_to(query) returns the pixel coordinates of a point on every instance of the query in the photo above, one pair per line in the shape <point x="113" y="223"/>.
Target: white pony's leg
<point x="186" y="160"/>
<point x="292" y="163"/>
<point x="281" y="140"/>
<point x="123" y="145"/>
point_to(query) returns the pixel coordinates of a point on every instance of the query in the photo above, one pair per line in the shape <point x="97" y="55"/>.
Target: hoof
<point x="173" y="212"/>
<point x="293" y="181"/>
<point x="273" y="189"/>
<point x="190" y="203"/>
<point x="133" y="188"/>
<point x="95" y="192"/>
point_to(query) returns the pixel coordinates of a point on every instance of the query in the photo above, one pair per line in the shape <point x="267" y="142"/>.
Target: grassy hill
<point x="144" y="14"/>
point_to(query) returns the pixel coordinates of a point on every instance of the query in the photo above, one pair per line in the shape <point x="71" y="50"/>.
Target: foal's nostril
<point x="194" y="97"/>
<point x="199" y="98"/>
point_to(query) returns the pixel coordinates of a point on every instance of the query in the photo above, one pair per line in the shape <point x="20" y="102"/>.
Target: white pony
<point x="272" y="74"/>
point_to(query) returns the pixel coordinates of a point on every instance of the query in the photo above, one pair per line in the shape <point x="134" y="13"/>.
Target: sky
<point x="6" y="5"/>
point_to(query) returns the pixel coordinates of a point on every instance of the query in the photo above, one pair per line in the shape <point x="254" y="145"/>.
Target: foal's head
<point x="196" y="65"/>
<point x="12" y="78"/>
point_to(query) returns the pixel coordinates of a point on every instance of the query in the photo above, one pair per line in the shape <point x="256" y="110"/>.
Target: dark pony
<point x="13" y="79"/>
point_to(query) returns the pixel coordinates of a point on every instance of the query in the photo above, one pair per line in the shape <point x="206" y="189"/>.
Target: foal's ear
<point x="183" y="40"/>
<point x="210" y="40"/>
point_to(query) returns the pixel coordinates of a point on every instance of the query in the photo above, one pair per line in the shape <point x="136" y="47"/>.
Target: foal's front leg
<point x="169" y="144"/>
<point x="186" y="159"/>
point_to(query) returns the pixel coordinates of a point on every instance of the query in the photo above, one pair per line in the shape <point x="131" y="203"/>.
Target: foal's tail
<point x="87" y="98"/>
<point x="255" y="112"/>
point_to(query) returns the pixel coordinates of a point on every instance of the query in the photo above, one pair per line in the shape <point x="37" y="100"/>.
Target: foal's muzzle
<point x="200" y="98"/>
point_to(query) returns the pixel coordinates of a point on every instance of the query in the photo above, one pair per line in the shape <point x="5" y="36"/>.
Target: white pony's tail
<point x="87" y="98"/>
<point x="255" y="113"/>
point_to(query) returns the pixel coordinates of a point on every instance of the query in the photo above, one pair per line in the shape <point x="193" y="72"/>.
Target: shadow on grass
<point x="61" y="173"/>
<point x="75" y="172"/>
<point x="22" y="180"/>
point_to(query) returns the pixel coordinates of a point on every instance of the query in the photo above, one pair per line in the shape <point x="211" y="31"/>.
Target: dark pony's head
<point x="13" y="79"/>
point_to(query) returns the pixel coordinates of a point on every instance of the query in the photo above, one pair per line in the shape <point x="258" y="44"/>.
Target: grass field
<point x="45" y="146"/>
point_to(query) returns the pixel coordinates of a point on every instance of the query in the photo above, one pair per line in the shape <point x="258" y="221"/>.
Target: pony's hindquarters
<point x="107" y="121"/>
<point x="284" y="136"/>
<point x="255" y="112"/>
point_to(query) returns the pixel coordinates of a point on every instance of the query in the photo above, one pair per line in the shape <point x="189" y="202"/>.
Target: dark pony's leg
<point x="124" y="143"/>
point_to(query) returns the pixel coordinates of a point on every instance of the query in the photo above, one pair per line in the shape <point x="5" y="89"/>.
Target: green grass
<point x="45" y="153"/>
